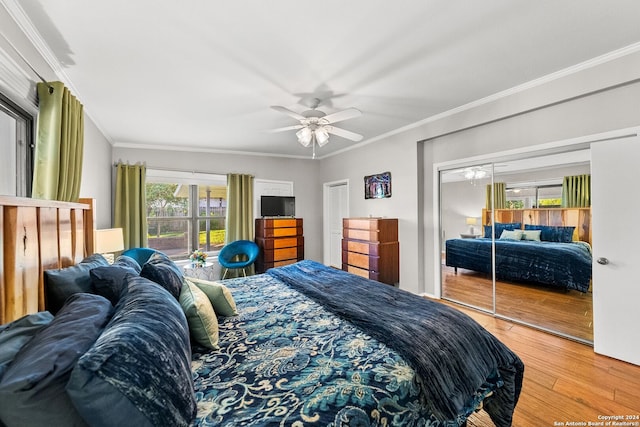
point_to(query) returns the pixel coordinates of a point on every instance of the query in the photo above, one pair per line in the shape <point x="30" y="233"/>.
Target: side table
<point x="206" y="272"/>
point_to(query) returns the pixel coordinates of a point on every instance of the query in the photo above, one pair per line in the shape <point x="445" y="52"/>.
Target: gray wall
<point x="96" y="178"/>
<point x="303" y="172"/>
<point x="598" y="99"/>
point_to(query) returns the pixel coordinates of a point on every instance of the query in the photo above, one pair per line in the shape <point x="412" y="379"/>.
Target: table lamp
<point x="471" y="222"/>
<point x="108" y="241"/>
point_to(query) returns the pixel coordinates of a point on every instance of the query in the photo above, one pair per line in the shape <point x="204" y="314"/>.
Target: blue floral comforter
<point x="289" y="360"/>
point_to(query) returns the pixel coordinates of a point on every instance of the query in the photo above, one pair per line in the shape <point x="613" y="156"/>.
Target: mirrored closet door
<point x="467" y="280"/>
<point x="535" y="267"/>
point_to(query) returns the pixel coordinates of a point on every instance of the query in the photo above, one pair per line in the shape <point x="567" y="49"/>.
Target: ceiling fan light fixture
<point x="322" y="136"/>
<point x="304" y="136"/>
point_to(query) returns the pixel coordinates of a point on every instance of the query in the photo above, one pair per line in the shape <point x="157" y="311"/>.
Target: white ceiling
<point x="201" y="75"/>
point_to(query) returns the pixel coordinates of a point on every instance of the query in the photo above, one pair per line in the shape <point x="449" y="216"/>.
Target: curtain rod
<point x="28" y="64"/>
<point x="173" y="170"/>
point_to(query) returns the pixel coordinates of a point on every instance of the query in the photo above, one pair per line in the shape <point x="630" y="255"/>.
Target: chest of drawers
<point x="370" y="248"/>
<point x="281" y="242"/>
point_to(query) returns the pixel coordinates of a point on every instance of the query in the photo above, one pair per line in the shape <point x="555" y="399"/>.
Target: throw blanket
<point x="458" y="361"/>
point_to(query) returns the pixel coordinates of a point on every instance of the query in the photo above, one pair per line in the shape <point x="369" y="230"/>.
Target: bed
<point x="387" y="358"/>
<point x="555" y="262"/>
<point x="310" y="345"/>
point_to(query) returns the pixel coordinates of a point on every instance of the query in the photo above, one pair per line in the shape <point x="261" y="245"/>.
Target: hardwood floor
<point x="568" y="312"/>
<point x="564" y="381"/>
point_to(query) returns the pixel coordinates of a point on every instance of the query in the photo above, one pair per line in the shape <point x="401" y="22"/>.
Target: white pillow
<point x="511" y="235"/>
<point x="533" y="235"/>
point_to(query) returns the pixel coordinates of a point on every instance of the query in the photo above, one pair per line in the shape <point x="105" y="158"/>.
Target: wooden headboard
<point x="580" y="218"/>
<point x="39" y="235"/>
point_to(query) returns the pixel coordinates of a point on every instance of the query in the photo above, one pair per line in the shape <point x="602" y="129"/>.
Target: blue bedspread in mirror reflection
<point x="559" y="265"/>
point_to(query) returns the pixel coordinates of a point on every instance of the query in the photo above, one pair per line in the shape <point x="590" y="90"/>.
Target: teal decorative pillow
<point x="32" y="390"/>
<point x="203" y="323"/>
<point x="511" y="235"/>
<point x="138" y="372"/>
<point x="14" y="335"/>
<point x="219" y="295"/>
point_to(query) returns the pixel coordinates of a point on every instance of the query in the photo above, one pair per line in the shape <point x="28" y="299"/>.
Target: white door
<point x="337" y="208"/>
<point x="616" y="284"/>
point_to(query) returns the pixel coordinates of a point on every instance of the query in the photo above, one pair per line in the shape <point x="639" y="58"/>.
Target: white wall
<point x="303" y="172"/>
<point x="96" y="173"/>
<point x="398" y="155"/>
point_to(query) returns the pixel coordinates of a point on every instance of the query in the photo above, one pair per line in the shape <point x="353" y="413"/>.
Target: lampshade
<point x="304" y="136"/>
<point x="472" y="221"/>
<point x="108" y="241"/>
<point x="322" y="136"/>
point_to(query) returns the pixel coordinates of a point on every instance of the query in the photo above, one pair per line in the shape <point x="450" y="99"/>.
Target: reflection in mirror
<point x="462" y="197"/>
<point x="537" y="282"/>
<point x="544" y="279"/>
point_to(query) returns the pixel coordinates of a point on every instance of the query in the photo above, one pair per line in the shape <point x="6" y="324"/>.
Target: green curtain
<point x="130" y="211"/>
<point x="239" y="223"/>
<point x="576" y="191"/>
<point x="57" y="166"/>
<point x="500" y="191"/>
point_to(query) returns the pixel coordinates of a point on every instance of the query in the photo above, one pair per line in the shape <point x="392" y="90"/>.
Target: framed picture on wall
<point x="377" y="186"/>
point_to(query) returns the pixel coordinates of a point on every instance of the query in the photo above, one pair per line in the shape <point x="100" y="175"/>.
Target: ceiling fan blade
<point x="288" y="112"/>
<point x="344" y="133"/>
<point x="349" y="113"/>
<point x="285" y="128"/>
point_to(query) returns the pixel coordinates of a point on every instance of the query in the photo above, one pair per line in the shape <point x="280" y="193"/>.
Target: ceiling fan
<point x="315" y="125"/>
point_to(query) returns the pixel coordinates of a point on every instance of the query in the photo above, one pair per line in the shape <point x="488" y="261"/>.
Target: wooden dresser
<point x="370" y="248"/>
<point x="280" y="240"/>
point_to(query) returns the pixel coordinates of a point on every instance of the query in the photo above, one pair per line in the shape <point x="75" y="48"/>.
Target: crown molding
<point x="17" y="13"/>
<point x="574" y="69"/>
<point x="139" y="146"/>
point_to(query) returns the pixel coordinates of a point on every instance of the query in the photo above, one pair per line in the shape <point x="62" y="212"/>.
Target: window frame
<point x="192" y="180"/>
<point x="25" y="144"/>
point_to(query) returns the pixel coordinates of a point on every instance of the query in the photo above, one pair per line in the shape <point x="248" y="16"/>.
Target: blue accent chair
<point x="141" y="255"/>
<point x="238" y="255"/>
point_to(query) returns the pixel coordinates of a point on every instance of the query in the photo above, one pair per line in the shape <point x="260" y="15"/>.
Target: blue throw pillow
<point x="139" y="371"/>
<point x="500" y="227"/>
<point x="110" y="282"/>
<point x="163" y="271"/>
<point x="14" y="335"/>
<point x="127" y="262"/>
<point x="32" y="390"/>
<point x="61" y="284"/>
<point x="550" y="233"/>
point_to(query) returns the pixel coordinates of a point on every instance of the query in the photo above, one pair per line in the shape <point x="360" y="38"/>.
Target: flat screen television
<point x="277" y="206"/>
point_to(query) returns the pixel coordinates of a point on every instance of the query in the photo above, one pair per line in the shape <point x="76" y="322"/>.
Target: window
<point x="524" y="196"/>
<point x="16" y="144"/>
<point x="185" y="212"/>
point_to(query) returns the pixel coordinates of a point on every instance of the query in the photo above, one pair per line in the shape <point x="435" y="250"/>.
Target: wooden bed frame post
<point x="38" y="235"/>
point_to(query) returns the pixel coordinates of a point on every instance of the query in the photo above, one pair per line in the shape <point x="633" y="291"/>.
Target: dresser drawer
<point x="361" y="272"/>
<point x="265" y="265"/>
<point x="283" y="242"/>
<point x="355" y="259"/>
<point x="375" y="229"/>
<point x="280" y="232"/>
<point x="296" y="252"/>
<point x="362" y="247"/>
